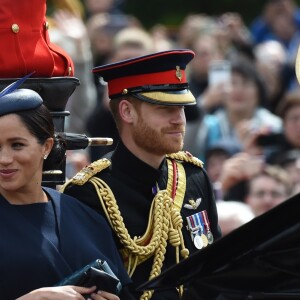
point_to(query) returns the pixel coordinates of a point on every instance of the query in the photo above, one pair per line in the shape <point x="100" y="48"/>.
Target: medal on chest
<point x="207" y="229"/>
<point x="198" y="227"/>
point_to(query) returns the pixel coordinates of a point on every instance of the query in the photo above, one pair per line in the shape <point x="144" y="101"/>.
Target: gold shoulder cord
<point x="164" y="221"/>
<point x="87" y="172"/>
<point x="187" y="157"/>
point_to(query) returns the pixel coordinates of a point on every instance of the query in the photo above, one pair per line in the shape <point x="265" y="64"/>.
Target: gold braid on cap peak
<point x="187" y="157"/>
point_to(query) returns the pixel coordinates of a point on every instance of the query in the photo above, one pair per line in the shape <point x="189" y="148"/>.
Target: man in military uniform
<point x="157" y="198"/>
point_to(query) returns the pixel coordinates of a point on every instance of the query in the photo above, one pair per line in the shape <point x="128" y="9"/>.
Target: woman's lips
<point x="7" y="173"/>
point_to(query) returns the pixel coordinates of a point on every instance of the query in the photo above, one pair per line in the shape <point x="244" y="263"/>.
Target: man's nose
<point x="179" y="116"/>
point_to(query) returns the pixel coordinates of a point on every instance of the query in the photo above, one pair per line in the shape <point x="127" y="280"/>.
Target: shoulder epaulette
<point x="87" y="172"/>
<point x="187" y="157"/>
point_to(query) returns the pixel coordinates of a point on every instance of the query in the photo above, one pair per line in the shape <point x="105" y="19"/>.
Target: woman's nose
<point x="6" y="156"/>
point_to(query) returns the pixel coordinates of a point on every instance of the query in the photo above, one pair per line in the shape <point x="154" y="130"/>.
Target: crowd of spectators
<point x="247" y="130"/>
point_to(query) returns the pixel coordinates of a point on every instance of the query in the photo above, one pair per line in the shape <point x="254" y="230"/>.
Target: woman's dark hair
<point x="39" y="122"/>
<point x="247" y="70"/>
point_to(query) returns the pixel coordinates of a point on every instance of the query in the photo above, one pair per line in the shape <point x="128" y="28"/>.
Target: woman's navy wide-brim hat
<point x="158" y="78"/>
<point x="14" y="100"/>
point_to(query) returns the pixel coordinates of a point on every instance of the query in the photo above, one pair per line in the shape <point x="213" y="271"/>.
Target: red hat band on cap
<point x="156" y="78"/>
<point x="120" y="85"/>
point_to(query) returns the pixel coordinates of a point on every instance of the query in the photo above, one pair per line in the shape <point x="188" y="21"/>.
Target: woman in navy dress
<point x="45" y="235"/>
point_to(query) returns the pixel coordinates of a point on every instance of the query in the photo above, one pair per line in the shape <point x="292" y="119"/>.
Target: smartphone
<point x="272" y="139"/>
<point x="219" y="72"/>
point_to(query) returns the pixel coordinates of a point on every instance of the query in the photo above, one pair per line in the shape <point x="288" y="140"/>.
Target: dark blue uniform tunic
<point x="132" y="182"/>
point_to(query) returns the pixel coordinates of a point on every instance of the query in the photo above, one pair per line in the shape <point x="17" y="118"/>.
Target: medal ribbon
<point x="197" y="217"/>
<point x="205" y="219"/>
<point x="191" y="222"/>
<point x="207" y="227"/>
<point x="202" y="223"/>
<point x="194" y="222"/>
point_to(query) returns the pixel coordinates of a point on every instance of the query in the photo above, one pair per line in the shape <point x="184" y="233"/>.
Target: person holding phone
<point x="209" y="93"/>
<point x="45" y="235"/>
<point x="243" y="112"/>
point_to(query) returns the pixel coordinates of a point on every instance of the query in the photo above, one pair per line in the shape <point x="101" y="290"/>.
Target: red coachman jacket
<point x="25" y="44"/>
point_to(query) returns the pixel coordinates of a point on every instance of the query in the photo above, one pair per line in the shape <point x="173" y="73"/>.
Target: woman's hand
<point x="240" y="167"/>
<point x="214" y="96"/>
<point x="102" y="295"/>
<point x="249" y="135"/>
<point x="68" y="292"/>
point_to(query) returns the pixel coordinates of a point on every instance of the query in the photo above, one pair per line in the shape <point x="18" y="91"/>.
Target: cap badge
<point x="178" y="73"/>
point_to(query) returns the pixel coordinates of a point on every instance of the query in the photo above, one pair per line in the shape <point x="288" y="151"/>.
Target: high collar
<point x="135" y="168"/>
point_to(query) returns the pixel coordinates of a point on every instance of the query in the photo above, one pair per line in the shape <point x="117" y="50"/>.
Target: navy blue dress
<point x="42" y="243"/>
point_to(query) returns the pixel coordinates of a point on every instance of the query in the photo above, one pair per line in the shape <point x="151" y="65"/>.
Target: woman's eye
<point x="17" y="145"/>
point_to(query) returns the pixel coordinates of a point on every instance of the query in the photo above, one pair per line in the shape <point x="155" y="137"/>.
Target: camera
<point x="268" y="140"/>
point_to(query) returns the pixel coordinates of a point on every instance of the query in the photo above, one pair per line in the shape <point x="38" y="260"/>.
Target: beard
<point x="158" y="142"/>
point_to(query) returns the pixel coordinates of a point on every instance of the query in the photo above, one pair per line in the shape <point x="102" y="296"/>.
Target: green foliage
<point x="172" y="12"/>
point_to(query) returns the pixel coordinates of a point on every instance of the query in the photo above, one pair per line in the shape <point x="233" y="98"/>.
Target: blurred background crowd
<point x="245" y="127"/>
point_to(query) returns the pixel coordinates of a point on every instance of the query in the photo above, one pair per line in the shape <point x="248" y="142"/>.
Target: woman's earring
<point x="45" y="156"/>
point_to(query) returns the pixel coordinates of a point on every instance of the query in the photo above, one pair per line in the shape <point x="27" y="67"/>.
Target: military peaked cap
<point x="158" y="78"/>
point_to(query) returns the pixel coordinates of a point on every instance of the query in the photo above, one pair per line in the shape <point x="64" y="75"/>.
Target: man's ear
<point x="127" y="111"/>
